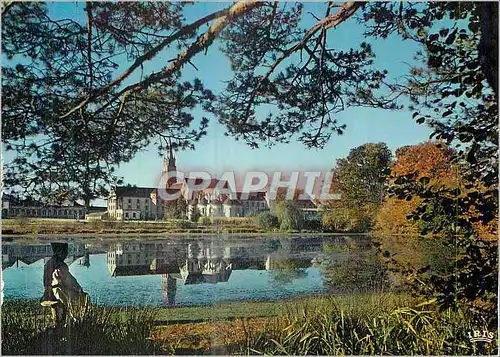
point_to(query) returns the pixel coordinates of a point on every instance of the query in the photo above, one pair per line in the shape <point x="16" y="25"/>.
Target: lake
<point x="191" y="271"/>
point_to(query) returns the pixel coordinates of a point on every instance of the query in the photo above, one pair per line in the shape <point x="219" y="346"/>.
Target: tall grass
<point x="105" y="331"/>
<point x="361" y="328"/>
<point x="365" y="324"/>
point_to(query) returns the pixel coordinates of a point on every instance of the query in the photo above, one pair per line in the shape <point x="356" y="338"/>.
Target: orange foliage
<point x="428" y="159"/>
<point x="431" y="160"/>
<point x="391" y="218"/>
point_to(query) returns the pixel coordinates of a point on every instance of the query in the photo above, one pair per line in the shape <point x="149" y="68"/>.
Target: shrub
<point x="205" y="221"/>
<point x="313" y="224"/>
<point x="289" y="216"/>
<point x="266" y="220"/>
<point x="183" y="224"/>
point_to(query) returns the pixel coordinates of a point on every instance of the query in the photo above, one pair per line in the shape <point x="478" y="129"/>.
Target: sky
<point x="217" y="153"/>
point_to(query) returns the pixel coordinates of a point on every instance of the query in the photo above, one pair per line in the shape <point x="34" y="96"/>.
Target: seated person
<point x="62" y="292"/>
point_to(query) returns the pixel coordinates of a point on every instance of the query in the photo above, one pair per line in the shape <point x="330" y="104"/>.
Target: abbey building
<point x="145" y="203"/>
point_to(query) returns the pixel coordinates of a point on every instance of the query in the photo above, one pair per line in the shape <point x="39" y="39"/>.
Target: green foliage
<point x="50" y="62"/>
<point x="184" y="224"/>
<point x="338" y="217"/>
<point x="455" y="92"/>
<point x="473" y="281"/>
<point x="312" y="224"/>
<point x="290" y="217"/>
<point x="361" y="176"/>
<point x="175" y="209"/>
<point x="205" y="221"/>
<point x="266" y="220"/>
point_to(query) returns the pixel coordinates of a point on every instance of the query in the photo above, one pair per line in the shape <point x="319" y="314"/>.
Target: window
<point x="126" y="214"/>
<point x="133" y="215"/>
<point x="129" y="200"/>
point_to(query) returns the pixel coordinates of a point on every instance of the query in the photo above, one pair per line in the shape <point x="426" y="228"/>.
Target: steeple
<point x="169" y="164"/>
<point x="169" y="160"/>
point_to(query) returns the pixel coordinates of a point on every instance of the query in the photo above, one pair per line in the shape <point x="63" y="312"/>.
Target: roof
<point x="129" y="191"/>
<point x="252" y="196"/>
<point x="213" y="182"/>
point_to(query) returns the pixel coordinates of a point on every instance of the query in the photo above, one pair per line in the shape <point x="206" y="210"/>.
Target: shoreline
<point x="174" y="235"/>
<point x="228" y="310"/>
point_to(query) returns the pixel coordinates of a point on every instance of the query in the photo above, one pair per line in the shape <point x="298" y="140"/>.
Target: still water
<point x="190" y="271"/>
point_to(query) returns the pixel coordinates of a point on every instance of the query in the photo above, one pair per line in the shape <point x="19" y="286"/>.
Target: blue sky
<point x="217" y="153"/>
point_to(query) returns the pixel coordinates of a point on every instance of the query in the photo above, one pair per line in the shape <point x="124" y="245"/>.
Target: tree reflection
<point x="285" y="271"/>
<point x="351" y="268"/>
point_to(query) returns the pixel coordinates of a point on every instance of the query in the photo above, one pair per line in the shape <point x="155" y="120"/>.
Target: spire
<point x="169" y="160"/>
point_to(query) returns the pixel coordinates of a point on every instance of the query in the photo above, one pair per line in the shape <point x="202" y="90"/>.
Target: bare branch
<point x="145" y="57"/>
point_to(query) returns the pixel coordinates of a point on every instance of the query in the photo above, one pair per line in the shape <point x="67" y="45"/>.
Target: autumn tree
<point x="361" y="179"/>
<point x="430" y="160"/>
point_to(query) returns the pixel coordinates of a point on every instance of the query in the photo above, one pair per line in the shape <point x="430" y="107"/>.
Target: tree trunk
<point x="488" y="47"/>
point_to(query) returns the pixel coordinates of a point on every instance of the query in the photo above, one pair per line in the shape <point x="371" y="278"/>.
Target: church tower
<point x="169" y="160"/>
<point x="169" y="163"/>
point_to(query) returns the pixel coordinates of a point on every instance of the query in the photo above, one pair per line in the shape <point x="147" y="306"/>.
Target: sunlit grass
<point x="362" y="324"/>
<point x="105" y="331"/>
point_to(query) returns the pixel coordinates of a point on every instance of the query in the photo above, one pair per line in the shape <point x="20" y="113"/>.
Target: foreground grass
<point x="366" y="324"/>
<point x="333" y="326"/>
<point x="26" y="331"/>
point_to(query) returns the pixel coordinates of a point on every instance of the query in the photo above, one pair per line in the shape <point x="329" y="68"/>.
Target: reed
<point x="359" y="328"/>
<point x="104" y="331"/>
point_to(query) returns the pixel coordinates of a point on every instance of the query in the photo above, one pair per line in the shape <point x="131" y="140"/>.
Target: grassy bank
<point x="46" y="226"/>
<point x="329" y="325"/>
<point x="42" y="227"/>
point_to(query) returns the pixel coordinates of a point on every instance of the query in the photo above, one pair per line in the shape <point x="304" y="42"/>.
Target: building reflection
<point x="201" y="262"/>
<point x="13" y="254"/>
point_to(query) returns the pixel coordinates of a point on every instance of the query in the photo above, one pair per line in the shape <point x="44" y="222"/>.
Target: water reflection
<point x="188" y="271"/>
<point x="13" y="254"/>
